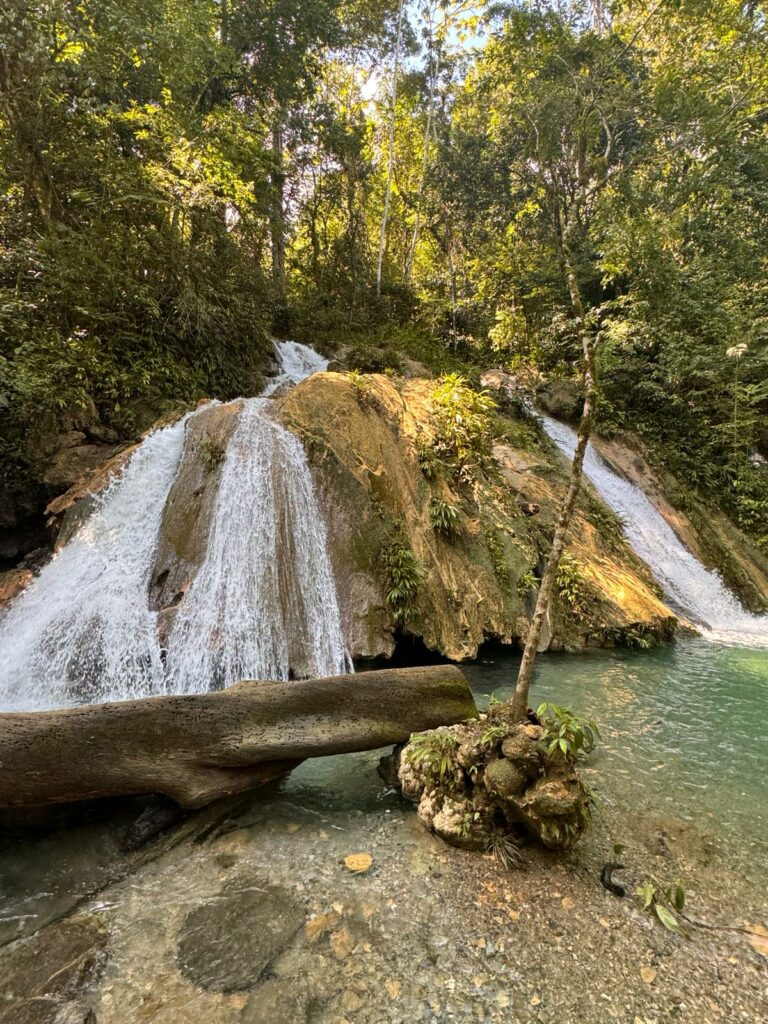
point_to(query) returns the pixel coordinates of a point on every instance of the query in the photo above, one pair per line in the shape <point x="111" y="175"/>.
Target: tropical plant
<point x="566" y="731"/>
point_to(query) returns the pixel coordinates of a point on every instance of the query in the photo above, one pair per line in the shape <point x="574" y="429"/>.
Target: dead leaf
<point x="393" y="988"/>
<point x="758" y="939"/>
<point x="342" y="943"/>
<point x="358" y="862"/>
<point x="292" y="826"/>
<point x="648" y="974"/>
<point x="319" y="925"/>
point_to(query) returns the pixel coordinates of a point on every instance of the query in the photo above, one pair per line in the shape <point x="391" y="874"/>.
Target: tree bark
<point x="197" y="748"/>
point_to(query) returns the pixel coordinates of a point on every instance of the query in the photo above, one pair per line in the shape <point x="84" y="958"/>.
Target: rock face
<point x="187" y="516"/>
<point x="477" y="580"/>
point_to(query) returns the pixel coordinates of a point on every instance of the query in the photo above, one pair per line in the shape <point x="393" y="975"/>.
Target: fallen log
<point x="200" y="747"/>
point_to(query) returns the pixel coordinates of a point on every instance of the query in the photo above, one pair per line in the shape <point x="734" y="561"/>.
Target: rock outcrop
<point x="475" y="580"/>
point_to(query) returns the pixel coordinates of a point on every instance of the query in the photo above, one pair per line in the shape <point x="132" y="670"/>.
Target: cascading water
<point x="697" y="592"/>
<point x="83" y="630"/>
<point x="262" y="605"/>
<point x="296" y="363"/>
<point x="263" y="602"/>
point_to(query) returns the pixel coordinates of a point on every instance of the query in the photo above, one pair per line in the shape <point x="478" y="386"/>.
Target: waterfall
<point x="262" y="605"/>
<point x="697" y="592"/>
<point x="263" y="602"/>
<point x="296" y="363"/>
<point x="83" y="630"/>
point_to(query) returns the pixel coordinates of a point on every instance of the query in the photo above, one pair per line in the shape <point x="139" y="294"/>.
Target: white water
<point x="262" y="605"/>
<point x="296" y="363"/>
<point x="83" y="631"/>
<point x="697" y="592"/>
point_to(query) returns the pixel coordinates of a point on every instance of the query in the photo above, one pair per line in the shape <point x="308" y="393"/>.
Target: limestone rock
<point x="364" y="455"/>
<point x="12" y="583"/>
<point x="503" y="779"/>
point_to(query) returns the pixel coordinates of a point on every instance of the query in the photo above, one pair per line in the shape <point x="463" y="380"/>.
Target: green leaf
<point x="667" y="918"/>
<point x="679" y="897"/>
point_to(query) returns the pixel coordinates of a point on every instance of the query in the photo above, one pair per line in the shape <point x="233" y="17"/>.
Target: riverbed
<point x="245" y="912"/>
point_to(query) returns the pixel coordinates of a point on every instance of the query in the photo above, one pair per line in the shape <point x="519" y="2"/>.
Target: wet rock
<point x="227" y="943"/>
<point x="58" y="961"/>
<point x="159" y="815"/>
<point x="12" y="583"/>
<point x="41" y="977"/>
<point x="503" y="779"/>
<point x="288" y="1000"/>
<point x="45" y="1011"/>
<point x="188" y="510"/>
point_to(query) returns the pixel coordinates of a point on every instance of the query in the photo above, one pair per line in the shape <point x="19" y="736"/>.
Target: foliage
<point x="210" y="451"/>
<point x="403" y="575"/>
<point x="493" y="734"/>
<point x="571" y="585"/>
<point x="665" y="902"/>
<point x="362" y="388"/>
<point x="430" y="463"/>
<point x="433" y="752"/>
<point x="444" y="517"/>
<point x="463" y="417"/>
<point x="502" y="846"/>
<point x="527" y="582"/>
<point x="499" y="560"/>
<point x="572" y="735"/>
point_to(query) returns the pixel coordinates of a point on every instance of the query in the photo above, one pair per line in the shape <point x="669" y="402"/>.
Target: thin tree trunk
<point x="391" y="149"/>
<point x="424" y="166"/>
<point x="519" y="701"/>
<point x="277" y="223"/>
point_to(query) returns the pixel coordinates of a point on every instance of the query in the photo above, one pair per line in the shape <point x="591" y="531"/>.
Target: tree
<point x="564" y="106"/>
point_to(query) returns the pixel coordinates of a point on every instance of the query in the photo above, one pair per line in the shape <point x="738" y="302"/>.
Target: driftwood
<point x="197" y="748"/>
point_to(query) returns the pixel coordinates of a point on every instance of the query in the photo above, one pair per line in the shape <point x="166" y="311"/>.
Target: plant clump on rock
<point x="483" y="784"/>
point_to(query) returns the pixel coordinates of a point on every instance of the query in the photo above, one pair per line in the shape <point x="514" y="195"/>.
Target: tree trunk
<point x="277" y="224"/>
<point x="197" y="748"/>
<point x="390" y="150"/>
<point x="519" y="701"/>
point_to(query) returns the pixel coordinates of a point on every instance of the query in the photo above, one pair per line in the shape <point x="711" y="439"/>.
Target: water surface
<point x="684" y="727"/>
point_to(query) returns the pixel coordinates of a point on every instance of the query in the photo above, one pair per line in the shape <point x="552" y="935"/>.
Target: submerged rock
<point x="228" y="943"/>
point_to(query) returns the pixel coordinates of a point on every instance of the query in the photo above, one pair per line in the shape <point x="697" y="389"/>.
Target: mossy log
<point x="197" y="748"/>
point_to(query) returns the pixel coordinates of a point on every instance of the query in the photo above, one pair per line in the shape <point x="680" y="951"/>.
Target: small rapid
<point x="695" y="591"/>
<point x="262" y="606"/>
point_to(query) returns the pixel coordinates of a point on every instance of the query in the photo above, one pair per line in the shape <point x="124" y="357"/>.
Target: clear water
<point x="684" y="727"/>
<point x="696" y="591"/>
<point x="263" y="605"/>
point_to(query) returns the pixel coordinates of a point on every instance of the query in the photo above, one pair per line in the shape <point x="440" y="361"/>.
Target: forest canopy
<point x="179" y="179"/>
